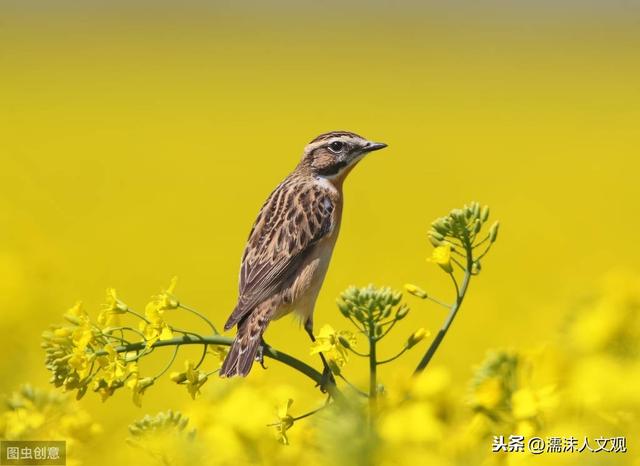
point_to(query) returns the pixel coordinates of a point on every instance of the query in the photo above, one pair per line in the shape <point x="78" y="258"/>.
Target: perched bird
<point x="290" y="245"/>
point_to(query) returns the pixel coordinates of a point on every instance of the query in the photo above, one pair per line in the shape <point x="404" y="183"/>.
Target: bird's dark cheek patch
<point x="332" y="169"/>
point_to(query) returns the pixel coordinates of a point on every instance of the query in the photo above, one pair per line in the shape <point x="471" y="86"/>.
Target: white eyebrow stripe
<point x="348" y="139"/>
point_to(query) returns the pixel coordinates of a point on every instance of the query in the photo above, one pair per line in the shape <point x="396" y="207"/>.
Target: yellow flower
<point x="113" y="367"/>
<point x="166" y="299"/>
<point x="76" y="314"/>
<point x="219" y="352"/>
<point x="156" y="328"/>
<point x="488" y="394"/>
<point x="111" y="309"/>
<point x="442" y="256"/>
<point x="80" y="362"/>
<point x="138" y="385"/>
<point x="82" y="335"/>
<point x="194" y="379"/>
<point x="285" y="422"/>
<point x="328" y="342"/>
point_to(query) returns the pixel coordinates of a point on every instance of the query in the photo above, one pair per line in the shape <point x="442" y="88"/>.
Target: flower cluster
<point x="458" y="234"/>
<point x="373" y="310"/>
<point x="162" y="422"/>
<point x="103" y="355"/>
<point x="154" y="326"/>
<point x="165" y="438"/>
<point x="83" y="354"/>
<point x="502" y="391"/>
<point x="33" y="413"/>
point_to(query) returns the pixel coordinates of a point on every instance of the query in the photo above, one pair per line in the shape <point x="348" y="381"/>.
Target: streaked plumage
<point x="290" y="244"/>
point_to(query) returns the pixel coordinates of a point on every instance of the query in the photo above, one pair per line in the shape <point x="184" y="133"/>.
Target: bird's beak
<point x="371" y="146"/>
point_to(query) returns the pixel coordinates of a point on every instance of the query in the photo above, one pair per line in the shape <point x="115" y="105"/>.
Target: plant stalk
<point x="269" y="351"/>
<point x="460" y="294"/>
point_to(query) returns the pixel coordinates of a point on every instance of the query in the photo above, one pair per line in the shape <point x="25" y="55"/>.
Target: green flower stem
<point x="440" y="303"/>
<point x="204" y="355"/>
<point x="460" y="294"/>
<point x="202" y="316"/>
<point x="357" y="353"/>
<point x="388" y="329"/>
<point x="310" y="413"/>
<point x="373" y="368"/>
<point x="137" y="314"/>
<point x="169" y="364"/>
<point x="393" y="358"/>
<point x="269" y="351"/>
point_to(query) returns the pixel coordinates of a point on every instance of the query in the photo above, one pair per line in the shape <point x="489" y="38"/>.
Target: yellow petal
<point x="283" y="411"/>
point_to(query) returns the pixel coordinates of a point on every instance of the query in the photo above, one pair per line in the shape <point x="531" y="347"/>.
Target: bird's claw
<point x="260" y="355"/>
<point x="326" y="380"/>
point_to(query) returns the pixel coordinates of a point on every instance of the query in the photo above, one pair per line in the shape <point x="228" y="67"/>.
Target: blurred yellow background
<point x="138" y="141"/>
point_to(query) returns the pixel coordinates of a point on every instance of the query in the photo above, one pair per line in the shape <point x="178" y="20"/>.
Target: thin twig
<point x="168" y="366"/>
<point x="460" y="294"/>
<point x="269" y="352"/>
<point x="202" y="316"/>
<point x="384" y="361"/>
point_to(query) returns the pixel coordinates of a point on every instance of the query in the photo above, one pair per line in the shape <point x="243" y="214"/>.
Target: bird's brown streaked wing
<point x="292" y="221"/>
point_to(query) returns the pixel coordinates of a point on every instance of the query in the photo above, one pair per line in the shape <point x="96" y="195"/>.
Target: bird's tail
<point x="245" y="346"/>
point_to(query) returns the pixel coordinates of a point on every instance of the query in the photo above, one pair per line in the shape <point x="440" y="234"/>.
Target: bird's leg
<point x="327" y="373"/>
<point x="260" y="352"/>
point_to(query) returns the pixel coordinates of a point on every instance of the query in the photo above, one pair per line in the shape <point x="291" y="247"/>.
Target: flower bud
<point x="484" y="213"/>
<point x="145" y="382"/>
<point x="416" y="337"/>
<point x="178" y="377"/>
<point x="72" y="319"/>
<point x="435" y="242"/>
<point x="493" y="232"/>
<point x="402" y="312"/>
<point x="457" y="214"/>
<point x="344" y="342"/>
<point x="436" y="235"/>
<point x="344" y="308"/>
<point x="475" y="207"/>
<point x="477" y="226"/>
<point x="440" y="227"/>
<point x="415" y="291"/>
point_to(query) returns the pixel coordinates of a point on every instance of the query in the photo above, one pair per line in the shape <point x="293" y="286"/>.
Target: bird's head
<point x="332" y="155"/>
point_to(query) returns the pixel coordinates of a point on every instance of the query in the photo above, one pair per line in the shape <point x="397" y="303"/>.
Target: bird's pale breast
<point x="306" y="287"/>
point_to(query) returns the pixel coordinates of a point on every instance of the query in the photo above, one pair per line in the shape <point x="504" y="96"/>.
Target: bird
<point x="290" y="246"/>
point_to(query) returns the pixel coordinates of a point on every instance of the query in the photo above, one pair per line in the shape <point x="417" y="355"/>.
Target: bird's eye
<point x="336" y="146"/>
